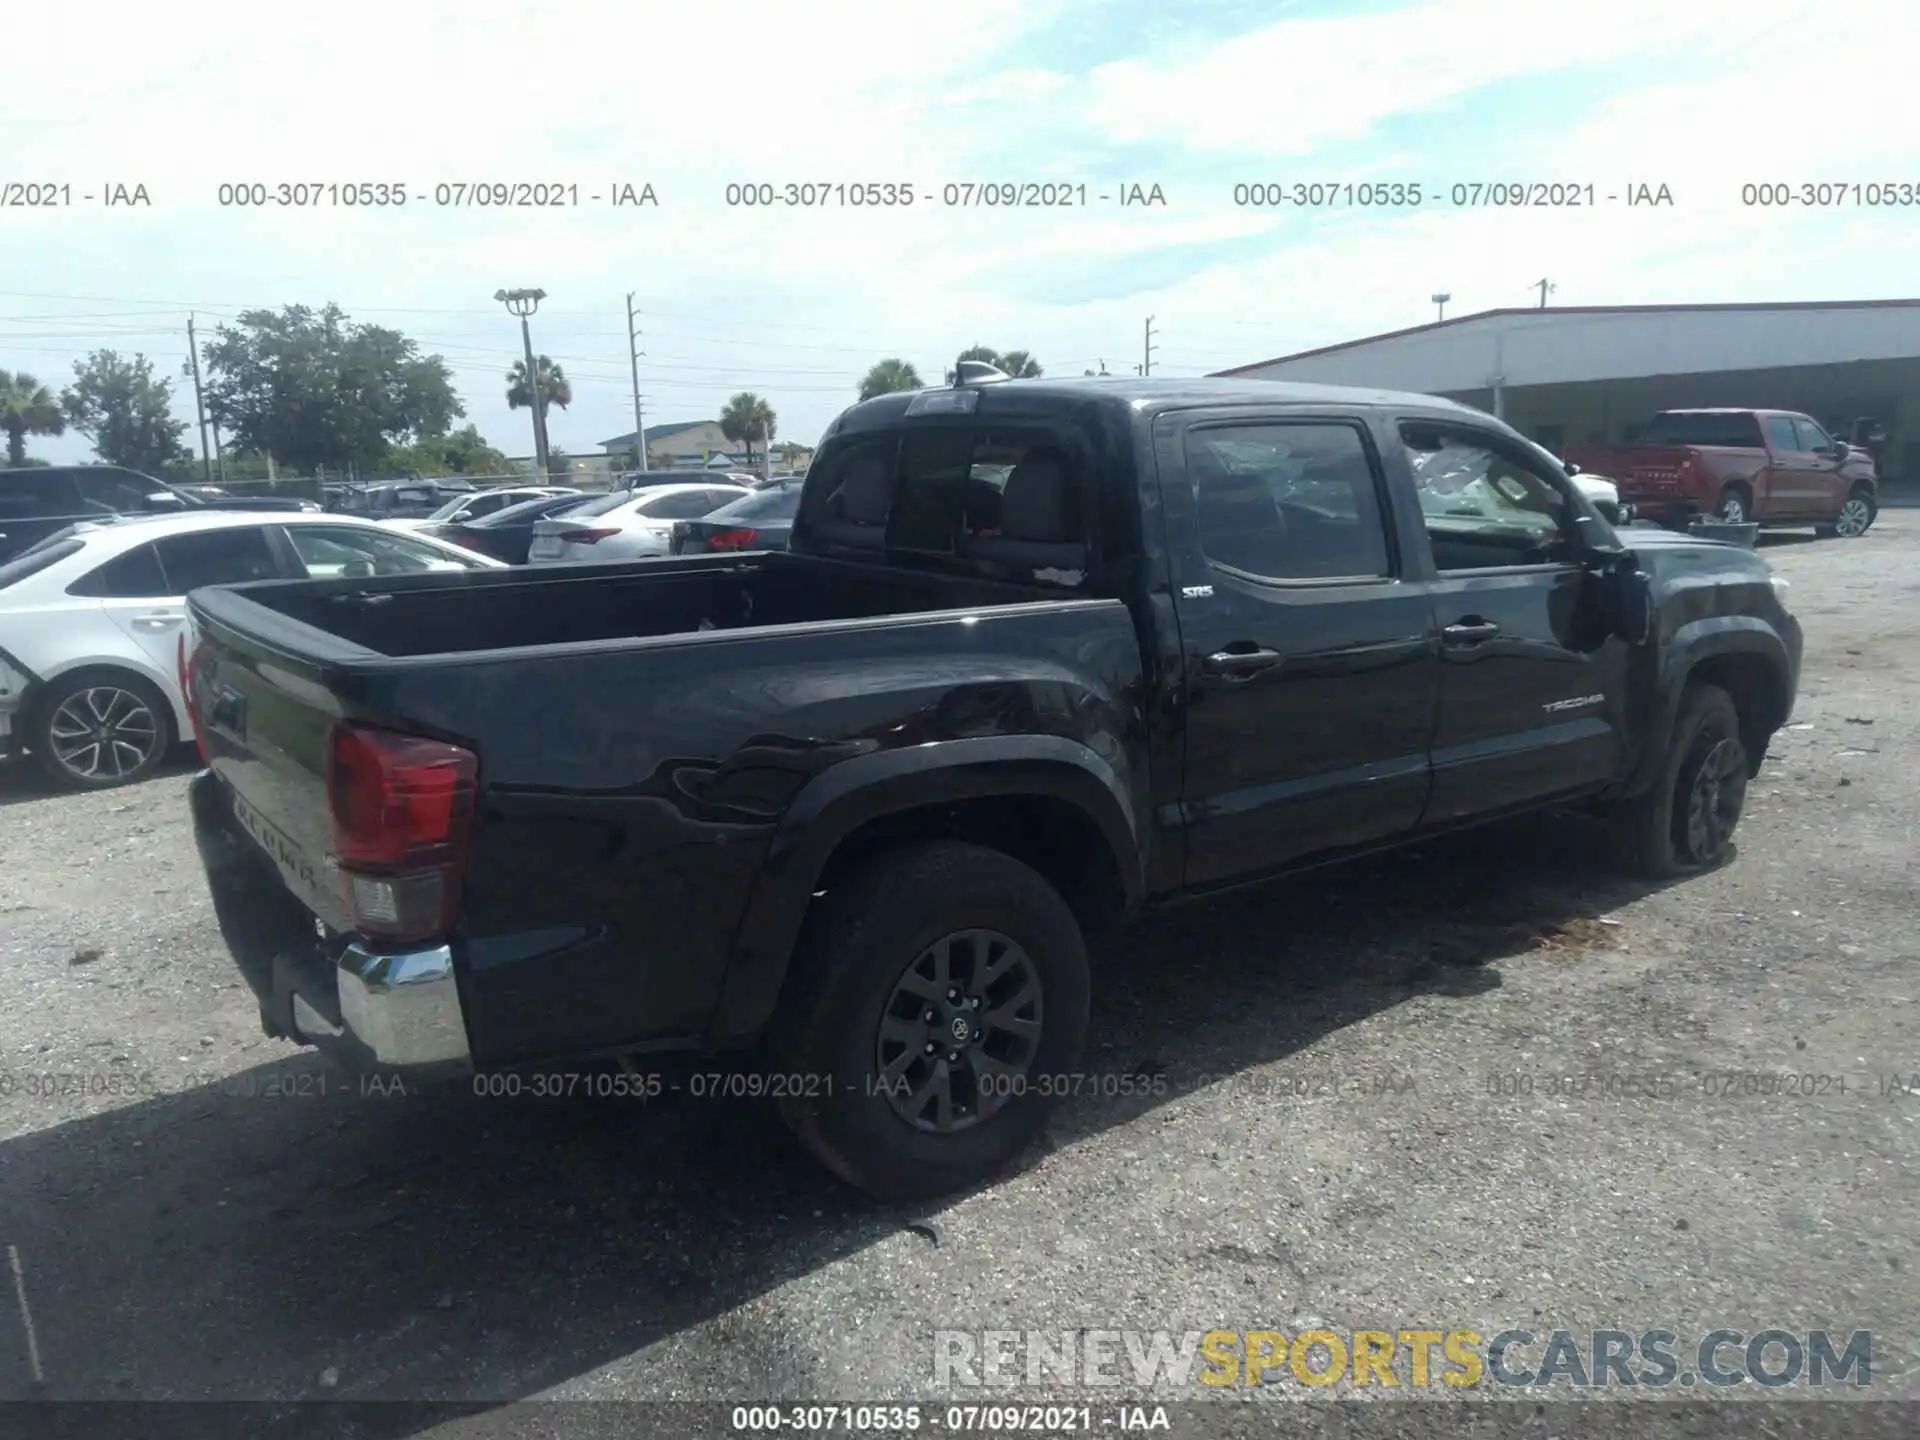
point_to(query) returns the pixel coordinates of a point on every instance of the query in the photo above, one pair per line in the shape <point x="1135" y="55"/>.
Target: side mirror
<point x="165" y="500"/>
<point x="1572" y="469"/>
<point x="1628" y="592"/>
<point x="1841" y="450"/>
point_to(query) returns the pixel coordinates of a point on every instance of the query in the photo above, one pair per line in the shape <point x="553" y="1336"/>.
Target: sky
<point x="1200" y="100"/>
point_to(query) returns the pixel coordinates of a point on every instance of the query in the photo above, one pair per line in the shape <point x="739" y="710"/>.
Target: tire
<point x="895" y="923"/>
<point x="1684" y="823"/>
<point x="1735" y="507"/>
<point x="132" y="715"/>
<point x="1857" y="514"/>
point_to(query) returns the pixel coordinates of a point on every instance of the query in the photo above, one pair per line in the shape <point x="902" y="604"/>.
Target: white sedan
<point x="91" y="619"/>
<point x="625" y="525"/>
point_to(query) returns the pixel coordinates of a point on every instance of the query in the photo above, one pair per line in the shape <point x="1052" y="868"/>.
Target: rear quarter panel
<point x="629" y="792"/>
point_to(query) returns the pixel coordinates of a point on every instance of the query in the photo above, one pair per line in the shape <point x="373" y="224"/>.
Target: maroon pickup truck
<point x="1773" y="467"/>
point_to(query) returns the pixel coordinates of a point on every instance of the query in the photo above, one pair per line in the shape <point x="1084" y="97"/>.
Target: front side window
<point x="1812" y="437"/>
<point x="1484" y="506"/>
<point x="1288" y="501"/>
<point x="38" y="495"/>
<point x="1781" y="436"/>
<point x="329" y="552"/>
<point x="114" y="492"/>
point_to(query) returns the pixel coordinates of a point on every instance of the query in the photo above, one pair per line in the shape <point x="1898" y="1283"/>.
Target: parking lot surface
<point x="1442" y="1106"/>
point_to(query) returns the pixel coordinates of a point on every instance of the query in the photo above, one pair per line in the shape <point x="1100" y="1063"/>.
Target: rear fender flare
<point x="835" y="804"/>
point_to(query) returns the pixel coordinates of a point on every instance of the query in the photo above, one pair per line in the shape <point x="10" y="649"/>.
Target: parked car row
<point x="1037" y="655"/>
<point x="36" y="501"/>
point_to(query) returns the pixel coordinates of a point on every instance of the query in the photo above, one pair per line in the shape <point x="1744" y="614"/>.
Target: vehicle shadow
<point x="322" y="1241"/>
<point x="1775" y="539"/>
<point x="22" y="779"/>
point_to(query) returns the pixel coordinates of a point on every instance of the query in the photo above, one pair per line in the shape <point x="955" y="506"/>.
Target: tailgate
<point x="1651" y="471"/>
<point x="264" y="713"/>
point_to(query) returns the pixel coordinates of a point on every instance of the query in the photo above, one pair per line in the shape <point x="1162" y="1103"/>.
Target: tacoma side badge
<point x="1577" y="703"/>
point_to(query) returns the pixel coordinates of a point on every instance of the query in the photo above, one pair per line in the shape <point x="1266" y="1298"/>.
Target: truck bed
<point x="441" y="614"/>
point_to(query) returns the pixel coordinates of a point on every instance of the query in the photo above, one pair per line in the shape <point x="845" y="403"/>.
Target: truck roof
<point x="1144" y="395"/>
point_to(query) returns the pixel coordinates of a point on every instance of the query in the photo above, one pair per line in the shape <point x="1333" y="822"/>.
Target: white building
<point x="1595" y="374"/>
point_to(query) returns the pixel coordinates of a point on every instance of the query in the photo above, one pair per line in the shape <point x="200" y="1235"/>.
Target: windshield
<point x="782" y="503"/>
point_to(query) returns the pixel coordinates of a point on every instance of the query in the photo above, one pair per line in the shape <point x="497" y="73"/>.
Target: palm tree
<point x="888" y="376"/>
<point x="746" y="417"/>
<point x="27" y="408"/>
<point x="1018" y="364"/>
<point x="554" y="386"/>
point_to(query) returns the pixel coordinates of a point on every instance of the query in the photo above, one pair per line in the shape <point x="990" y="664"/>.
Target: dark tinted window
<point x="36" y="560"/>
<point x="1288" y="502"/>
<point x="779" y="503"/>
<point x="688" y="505"/>
<point x="115" y="492"/>
<point x="216" y="557"/>
<point x="38" y="495"/>
<point x="528" y="511"/>
<point x="134" y="574"/>
<point x="1683" y="427"/>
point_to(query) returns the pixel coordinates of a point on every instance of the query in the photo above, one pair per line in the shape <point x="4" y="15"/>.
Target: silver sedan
<point x="624" y="525"/>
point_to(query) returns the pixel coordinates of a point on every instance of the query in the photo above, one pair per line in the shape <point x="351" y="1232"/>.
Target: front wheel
<point x="1685" y="822"/>
<point x="937" y="1008"/>
<point x="1856" y="516"/>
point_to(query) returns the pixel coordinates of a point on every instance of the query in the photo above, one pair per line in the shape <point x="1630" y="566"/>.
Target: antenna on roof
<point x="977" y="372"/>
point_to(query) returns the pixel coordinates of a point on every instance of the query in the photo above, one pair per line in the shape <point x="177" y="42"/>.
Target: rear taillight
<point x="186" y="698"/>
<point x="401" y="809"/>
<point x="585" y="537"/>
<point x="740" y="539"/>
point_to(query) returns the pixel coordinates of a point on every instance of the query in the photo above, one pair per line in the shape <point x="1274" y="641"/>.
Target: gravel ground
<point x="250" y="1226"/>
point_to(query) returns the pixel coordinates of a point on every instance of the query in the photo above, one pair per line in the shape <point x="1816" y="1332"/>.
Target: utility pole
<point x="199" y="403"/>
<point x="633" y="364"/>
<point x="523" y="303"/>
<point x="1545" y="287"/>
<point x="1146" y="358"/>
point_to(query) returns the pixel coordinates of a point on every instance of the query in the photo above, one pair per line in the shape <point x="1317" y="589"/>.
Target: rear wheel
<point x="1856" y="516"/>
<point x="1736" y="505"/>
<point x="100" y="729"/>
<point x="939" y="994"/>
<point x="1685" y="822"/>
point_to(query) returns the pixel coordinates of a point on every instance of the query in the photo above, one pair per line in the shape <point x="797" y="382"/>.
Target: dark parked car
<point x="38" y="501"/>
<point x="760" y="521"/>
<point x="1040" y="653"/>
<point x="505" y="534"/>
<point x="403" y="499"/>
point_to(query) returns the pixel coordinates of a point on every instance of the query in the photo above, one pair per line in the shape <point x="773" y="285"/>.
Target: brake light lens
<point x="737" y="539"/>
<point x="187" y="663"/>
<point x="401" y="810"/>
<point x="586" y="537"/>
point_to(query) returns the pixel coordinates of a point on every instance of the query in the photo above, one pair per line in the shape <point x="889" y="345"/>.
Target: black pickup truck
<point x="1041" y="653"/>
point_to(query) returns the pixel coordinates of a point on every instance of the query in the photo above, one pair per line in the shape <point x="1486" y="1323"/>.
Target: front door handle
<point x="1240" y="664"/>
<point x="1470" y="632"/>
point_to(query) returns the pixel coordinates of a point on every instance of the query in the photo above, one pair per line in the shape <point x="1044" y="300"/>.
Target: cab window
<point x="1485" y="506"/>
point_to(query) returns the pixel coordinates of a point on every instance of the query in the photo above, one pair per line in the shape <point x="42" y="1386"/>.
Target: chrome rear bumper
<point x="404" y="1008"/>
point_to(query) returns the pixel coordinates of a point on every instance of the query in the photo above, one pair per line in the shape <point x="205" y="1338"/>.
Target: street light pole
<point x="1441" y="299"/>
<point x="524" y="303"/>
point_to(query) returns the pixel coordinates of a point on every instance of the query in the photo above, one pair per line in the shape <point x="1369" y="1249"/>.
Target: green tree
<point x="126" y="411"/>
<point x="746" y="418"/>
<point x="27" y="408"/>
<point x="1018" y="364"/>
<point x="889" y="376"/>
<point x="460" y="452"/>
<point x="555" y="389"/>
<point x="311" y="388"/>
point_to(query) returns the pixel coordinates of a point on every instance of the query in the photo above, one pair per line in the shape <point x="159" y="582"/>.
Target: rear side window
<point x="1738" y="431"/>
<point x="134" y="575"/>
<point x="1281" y="501"/>
<point x="687" y="505"/>
<point x="230" y="556"/>
<point x="38" y="495"/>
<point x="780" y="503"/>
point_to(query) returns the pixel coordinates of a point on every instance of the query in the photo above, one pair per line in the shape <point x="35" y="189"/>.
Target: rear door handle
<point x="1469" y="632"/>
<point x="1239" y="664"/>
<point x="159" y="619"/>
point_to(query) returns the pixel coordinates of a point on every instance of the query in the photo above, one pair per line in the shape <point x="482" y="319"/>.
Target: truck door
<point x="1308" y="669"/>
<point x="1794" y="484"/>
<point x="1532" y="693"/>
<point x="1826" y="486"/>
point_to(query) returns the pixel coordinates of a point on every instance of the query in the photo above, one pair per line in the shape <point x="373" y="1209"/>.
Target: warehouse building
<point x="1596" y="374"/>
